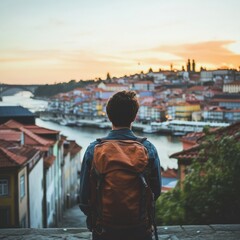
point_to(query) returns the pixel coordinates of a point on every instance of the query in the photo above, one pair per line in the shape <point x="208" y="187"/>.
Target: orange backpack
<point x="121" y="197"/>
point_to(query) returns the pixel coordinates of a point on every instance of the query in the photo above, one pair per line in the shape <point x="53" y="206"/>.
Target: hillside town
<point x="40" y="167"/>
<point x="164" y="96"/>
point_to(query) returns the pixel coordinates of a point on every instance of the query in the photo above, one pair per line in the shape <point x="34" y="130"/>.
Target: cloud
<point x="60" y="65"/>
<point x="208" y="53"/>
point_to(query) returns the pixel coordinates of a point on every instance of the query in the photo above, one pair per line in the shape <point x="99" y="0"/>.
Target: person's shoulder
<point x="92" y="145"/>
<point x="147" y="143"/>
<point x="150" y="147"/>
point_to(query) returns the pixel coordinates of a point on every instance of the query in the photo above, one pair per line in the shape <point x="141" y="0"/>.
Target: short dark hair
<point x="122" y="108"/>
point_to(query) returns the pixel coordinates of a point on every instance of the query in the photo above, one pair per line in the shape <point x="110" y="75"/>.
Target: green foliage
<point x="54" y="89"/>
<point x="211" y="191"/>
<point x="169" y="208"/>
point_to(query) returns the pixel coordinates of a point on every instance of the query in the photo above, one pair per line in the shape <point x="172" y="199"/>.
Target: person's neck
<point x="118" y="128"/>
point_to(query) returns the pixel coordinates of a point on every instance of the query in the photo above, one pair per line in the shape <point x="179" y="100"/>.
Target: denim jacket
<point x="121" y="134"/>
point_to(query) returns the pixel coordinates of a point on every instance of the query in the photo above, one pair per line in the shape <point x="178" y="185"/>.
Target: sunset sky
<point x="51" y="41"/>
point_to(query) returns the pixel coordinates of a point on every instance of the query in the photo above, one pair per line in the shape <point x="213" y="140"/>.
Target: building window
<point x="4" y="187"/>
<point x="22" y="186"/>
<point x="4" y="217"/>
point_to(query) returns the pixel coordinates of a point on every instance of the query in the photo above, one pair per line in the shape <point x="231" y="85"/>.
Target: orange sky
<point x="85" y="40"/>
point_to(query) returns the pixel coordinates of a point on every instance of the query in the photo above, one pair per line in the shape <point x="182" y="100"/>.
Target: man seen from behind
<point x="120" y="177"/>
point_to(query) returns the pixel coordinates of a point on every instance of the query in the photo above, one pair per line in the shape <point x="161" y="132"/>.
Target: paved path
<point x="73" y="218"/>
<point x="203" y="232"/>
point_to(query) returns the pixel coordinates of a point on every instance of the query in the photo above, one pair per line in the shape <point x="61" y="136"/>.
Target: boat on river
<point x="156" y="127"/>
<point x="181" y="128"/>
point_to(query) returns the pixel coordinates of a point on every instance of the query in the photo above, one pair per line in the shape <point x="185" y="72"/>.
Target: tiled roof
<point x="192" y="137"/>
<point x="26" y="151"/>
<point x="13" y="155"/>
<point x="225" y="100"/>
<point x="8" y="111"/>
<point x="193" y="152"/>
<point x="62" y="139"/>
<point x="10" y="135"/>
<point x="9" y="159"/>
<point x="196" y="88"/>
<point x="40" y="130"/>
<point x="48" y="161"/>
<point x="187" y="154"/>
<point x="71" y="147"/>
<point x="233" y="83"/>
<point x="12" y="124"/>
<point x="35" y="137"/>
<point x="169" y="173"/>
<point x="75" y="149"/>
<point x="143" y="82"/>
<point x="231" y="130"/>
<point x="33" y="128"/>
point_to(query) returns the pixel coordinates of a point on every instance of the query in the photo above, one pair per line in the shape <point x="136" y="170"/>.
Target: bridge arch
<point x="7" y="90"/>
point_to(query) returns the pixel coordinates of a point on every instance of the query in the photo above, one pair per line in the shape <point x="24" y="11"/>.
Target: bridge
<point x="11" y="89"/>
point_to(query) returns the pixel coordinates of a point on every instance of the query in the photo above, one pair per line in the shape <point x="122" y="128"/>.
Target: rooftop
<point x="187" y="232"/>
<point x="6" y="111"/>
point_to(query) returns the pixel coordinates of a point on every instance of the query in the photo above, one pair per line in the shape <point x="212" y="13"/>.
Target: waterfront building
<point x="206" y="76"/>
<point x="113" y="87"/>
<point x="100" y="93"/>
<point x="158" y="77"/>
<point x="232" y="87"/>
<point x="221" y="114"/>
<point x="148" y="112"/>
<point x="184" y="111"/>
<point x="143" y="86"/>
<point x="228" y="102"/>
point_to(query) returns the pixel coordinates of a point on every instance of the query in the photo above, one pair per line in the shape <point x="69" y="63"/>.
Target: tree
<point x="108" y="76"/>
<point x="211" y="192"/>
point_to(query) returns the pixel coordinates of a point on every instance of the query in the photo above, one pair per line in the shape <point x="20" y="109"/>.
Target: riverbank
<point x="69" y="119"/>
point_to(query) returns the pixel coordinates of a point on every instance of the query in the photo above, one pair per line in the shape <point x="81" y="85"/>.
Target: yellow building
<point x="14" y="199"/>
<point x="184" y="111"/>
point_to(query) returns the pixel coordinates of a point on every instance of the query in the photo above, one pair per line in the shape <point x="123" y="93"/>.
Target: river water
<point x="165" y="145"/>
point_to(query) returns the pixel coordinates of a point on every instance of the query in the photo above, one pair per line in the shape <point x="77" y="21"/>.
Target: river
<point x="165" y="145"/>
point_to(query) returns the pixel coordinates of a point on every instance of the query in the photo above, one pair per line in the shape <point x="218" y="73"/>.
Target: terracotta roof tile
<point x="40" y="130"/>
<point x="26" y="151"/>
<point x="40" y="140"/>
<point x="71" y="147"/>
<point x="9" y="159"/>
<point x="187" y="154"/>
<point x="170" y="173"/>
<point x="48" y="161"/>
<point x="10" y="135"/>
<point x="12" y="124"/>
<point x="143" y="82"/>
<point x="192" y="137"/>
<point x="193" y="152"/>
